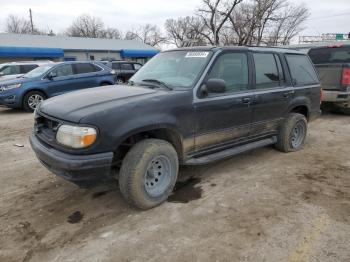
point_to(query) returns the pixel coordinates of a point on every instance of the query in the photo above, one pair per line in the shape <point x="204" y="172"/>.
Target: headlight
<point x="8" y="87"/>
<point x="76" y="136"/>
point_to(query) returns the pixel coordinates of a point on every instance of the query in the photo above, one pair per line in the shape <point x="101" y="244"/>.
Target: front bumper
<point x="9" y="101"/>
<point x="79" y="169"/>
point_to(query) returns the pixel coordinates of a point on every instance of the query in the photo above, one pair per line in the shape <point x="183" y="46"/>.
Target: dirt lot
<point x="259" y="206"/>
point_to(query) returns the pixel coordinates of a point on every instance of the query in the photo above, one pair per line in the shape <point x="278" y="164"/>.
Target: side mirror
<point x="215" y="86"/>
<point x="51" y="75"/>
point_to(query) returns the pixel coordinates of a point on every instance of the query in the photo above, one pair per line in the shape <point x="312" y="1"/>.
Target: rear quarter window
<point x="301" y="69"/>
<point x="84" y="68"/>
<point x="328" y="55"/>
<point x="27" y="68"/>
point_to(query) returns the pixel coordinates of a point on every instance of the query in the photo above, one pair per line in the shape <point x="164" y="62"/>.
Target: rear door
<point x="127" y="70"/>
<point x="224" y="119"/>
<point x="272" y="93"/>
<point x="86" y="75"/>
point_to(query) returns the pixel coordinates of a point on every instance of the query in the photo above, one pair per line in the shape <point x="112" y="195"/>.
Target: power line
<point x="325" y="17"/>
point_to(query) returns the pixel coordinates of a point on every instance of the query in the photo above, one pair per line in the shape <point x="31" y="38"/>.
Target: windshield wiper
<point x="157" y="82"/>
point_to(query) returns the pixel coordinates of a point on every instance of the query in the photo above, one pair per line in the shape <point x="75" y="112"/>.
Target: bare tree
<point x="214" y="15"/>
<point x="111" y="33"/>
<point x="18" y="25"/>
<point x="86" y="26"/>
<point x="148" y="34"/>
<point x="288" y="24"/>
<point x="185" y="31"/>
<point x="266" y="22"/>
<point x="252" y="19"/>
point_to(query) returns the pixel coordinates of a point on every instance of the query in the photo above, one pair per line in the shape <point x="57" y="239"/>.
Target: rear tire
<point x="148" y="173"/>
<point x="292" y="134"/>
<point x="120" y="81"/>
<point x="32" y="99"/>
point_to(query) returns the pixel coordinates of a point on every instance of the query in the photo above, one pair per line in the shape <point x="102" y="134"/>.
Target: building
<point x="16" y="47"/>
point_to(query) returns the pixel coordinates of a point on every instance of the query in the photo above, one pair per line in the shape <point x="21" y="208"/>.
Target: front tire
<point x="292" y="134"/>
<point x="148" y="173"/>
<point x="32" y="99"/>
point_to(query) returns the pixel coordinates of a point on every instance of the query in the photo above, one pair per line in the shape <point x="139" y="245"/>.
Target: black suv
<point x="124" y="70"/>
<point x="186" y="106"/>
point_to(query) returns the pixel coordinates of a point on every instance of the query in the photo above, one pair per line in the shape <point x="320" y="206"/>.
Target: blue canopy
<point x="7" y="51"/>
<point x="138" y="53"/>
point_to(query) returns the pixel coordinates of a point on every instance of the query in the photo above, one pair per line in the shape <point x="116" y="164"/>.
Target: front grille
<point x="45" y="128"/>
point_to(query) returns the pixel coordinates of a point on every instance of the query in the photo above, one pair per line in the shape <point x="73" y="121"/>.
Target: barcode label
<point x="197" y="54"/>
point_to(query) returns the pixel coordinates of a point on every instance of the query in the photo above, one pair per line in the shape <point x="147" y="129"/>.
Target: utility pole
<point x="31" y="20"/>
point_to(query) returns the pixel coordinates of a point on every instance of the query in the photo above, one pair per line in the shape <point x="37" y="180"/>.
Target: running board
<point x="230" y="152"/>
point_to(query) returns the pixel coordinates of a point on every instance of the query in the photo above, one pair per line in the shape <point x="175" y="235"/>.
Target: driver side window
<point x="233" y="69"/>
<point x="64" y="70"/>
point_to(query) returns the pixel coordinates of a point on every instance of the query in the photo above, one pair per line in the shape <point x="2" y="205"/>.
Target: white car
<point x="16" y="69"/>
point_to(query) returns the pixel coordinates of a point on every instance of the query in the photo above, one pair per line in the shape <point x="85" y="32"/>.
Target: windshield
<point x="38" y="71"/>
<point x="175" y="68"/>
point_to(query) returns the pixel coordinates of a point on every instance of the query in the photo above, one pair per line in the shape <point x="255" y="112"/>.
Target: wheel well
<point x="301" y="110"/>
<point x="163" y="133"/>
<point x="31" y="90"/>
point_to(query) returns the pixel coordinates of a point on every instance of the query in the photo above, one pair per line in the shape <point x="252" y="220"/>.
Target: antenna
<point x="31" y="19"/>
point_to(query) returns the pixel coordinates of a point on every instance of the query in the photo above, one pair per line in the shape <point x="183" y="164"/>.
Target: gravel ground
<point x="260" y="206"/>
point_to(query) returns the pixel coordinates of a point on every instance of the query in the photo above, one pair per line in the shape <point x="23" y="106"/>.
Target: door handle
<point x="246" y="100"/>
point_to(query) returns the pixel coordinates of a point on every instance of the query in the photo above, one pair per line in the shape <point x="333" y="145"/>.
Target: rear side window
<point x="266" y="71"/>
<point x="126" y="67"/>
<point x="84" y="68"/>
<point x="329" y="55"/>
<point x="10" y="70"/>
<point x="301" y="70"/>
<point x="137" y="66"/>
<point x="27" y="68"/>
<point x="116" y="66"/>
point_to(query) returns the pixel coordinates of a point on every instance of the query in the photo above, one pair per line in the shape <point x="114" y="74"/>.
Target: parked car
<point x="187" y="106"/>
<point x="124" y="70"/>
<point x="15" y="69"/>
<point x="53" y="79"/>
<point x="333" y="65"/>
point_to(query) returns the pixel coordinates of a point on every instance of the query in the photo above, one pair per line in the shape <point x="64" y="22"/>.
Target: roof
<point x="70" y="43"/>
<point x="38" y="62"/>
<point x="252" y="48"/>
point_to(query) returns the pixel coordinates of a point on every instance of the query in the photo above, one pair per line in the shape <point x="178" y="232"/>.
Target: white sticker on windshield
<point x="197" y="54"/>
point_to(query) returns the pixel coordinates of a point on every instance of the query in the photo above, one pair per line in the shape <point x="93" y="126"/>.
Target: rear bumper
<point x="74" y="168"/>
<point x="336" y="96"/>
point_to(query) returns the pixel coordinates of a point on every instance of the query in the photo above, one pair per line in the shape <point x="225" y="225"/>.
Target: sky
<point x="326" y="16"/>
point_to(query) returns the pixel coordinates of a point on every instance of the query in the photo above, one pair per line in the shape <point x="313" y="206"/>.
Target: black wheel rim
<point x="298" y="135"/>
<point x="158" y="176"/>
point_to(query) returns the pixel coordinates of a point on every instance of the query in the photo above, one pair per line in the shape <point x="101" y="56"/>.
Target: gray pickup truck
<point x="333" y="65"/>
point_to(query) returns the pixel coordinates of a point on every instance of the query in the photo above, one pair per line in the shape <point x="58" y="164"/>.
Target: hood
<point x="16" y="80"/>
<point x="74" y="106"/>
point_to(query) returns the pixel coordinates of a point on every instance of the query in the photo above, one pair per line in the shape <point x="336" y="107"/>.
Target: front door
<point x="63" y="81"/>
<point x="224" y="119"/>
